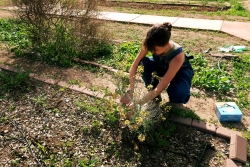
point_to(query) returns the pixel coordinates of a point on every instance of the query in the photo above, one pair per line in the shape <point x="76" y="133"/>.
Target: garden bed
<point x="50" y="125"/>
<point x="163" y="6"/>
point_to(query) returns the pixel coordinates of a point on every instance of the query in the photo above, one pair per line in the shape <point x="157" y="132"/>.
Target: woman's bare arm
<point x="174" y="65"/>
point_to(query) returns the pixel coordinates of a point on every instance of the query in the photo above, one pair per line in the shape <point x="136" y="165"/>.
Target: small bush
<point x="13" y="81"/>
<point x="60" y="30"/>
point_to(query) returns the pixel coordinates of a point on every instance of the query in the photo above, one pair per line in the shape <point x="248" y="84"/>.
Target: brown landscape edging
<point x="238" y="144"/>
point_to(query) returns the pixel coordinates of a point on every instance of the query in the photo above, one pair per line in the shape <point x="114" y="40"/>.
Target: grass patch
<point x="236" y="12"/>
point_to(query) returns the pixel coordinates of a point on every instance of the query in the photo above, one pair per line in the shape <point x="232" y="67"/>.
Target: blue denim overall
<point x="179" y="88"/>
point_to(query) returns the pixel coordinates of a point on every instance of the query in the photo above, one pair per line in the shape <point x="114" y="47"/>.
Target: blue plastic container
<point x="228" y="111"/>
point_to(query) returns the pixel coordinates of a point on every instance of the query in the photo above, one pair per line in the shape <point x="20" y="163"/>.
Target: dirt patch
<point x="247" y="4"/>
<point x="60" y="131"/>
<point x="6" y="14"/>
<point x="157" y="6"/>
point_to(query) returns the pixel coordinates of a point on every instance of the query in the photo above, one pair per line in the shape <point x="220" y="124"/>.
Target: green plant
<point x="137" y="120"/>
<point x="13" y="81"/>
<point x="39" y="100"/>
<point x="123" y="56"/>
<point x="88" y="162"/>
<point x="15" y="162"/>
<point x="95" y="124"/>
<point x="56" y="110"/>
<point x="12" y="107"/>
<point x="209" y="76"/>
<point x="68" y="144"/>
<point x="62" y="89"/>
<point x="85" y="129"/>
<point x="51" y="161"/>
<point x="14" y="31"/>
<point x="4" y="119"/>
<point x="74" y="82"/>
<point x="112" y="117"/>
<point x="41" y="148"/>
<point x="57" y="40"/>
<point x="68" y="163"/>
<point x="196" y="94"/>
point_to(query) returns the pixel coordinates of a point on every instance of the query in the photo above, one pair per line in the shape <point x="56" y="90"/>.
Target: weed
<point x="13" y="81"/>
<point x="123" y="56"/>
<point x="62" y="89"/>
<point x="182" y="112"/>
<point x="88" y="162"/>
<point x="40" y="100"/>
<point x="51" y="161"/>
<point x="209" y="77"/>
<point x="196" y="94"/>
<point x="85" y="129"/>
<point x="96" y="124"/>
<point x="41" y="148"/>
<point x="68" y="144"/>
<point x="112" y="117"/>
<point x="15" y="162"/>
<point x="11" y="107"/>
<point x="68" y="163"/>
<point x="4" y="119"/>
<point x="56" y="110"/>
<point x="74" y="82"/>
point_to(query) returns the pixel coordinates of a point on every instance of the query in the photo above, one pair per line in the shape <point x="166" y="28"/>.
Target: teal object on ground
<point x="231" y="48"/>
<point x="228" y="111"/>
<point x="238" y="49"/>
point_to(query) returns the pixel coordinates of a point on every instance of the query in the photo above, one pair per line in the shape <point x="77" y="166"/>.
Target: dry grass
<point x="191" y="39"/>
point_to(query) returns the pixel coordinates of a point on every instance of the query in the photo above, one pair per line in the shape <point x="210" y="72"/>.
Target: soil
<point x="158" y="6"/>
<point x="202" y="106"/>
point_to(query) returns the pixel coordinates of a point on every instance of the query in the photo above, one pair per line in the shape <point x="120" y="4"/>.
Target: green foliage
<point x="237" y="9"/>
<point x="4" y="119"/>
<point x="209" y="76"/>
<point x="74" y="82"/>
<point x="60" y="51"/>
<point x="40" y="100"/>
<point x="112" y="117"/>
<point x="242" y="68"/>
<point x="88" y="162"/>
<point x="15" y="33"/>
<point x="159" y="136"/>
<point x="41" y="148"/>
<point x="13" y="81"/>
<point x="123" y="56"/>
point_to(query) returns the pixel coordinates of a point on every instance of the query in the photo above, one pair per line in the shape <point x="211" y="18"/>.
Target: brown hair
<point x="157" y="35"/>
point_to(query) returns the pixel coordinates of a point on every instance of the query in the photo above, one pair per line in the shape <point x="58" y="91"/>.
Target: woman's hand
<point x="127" y="98"/>
<point x="131" y="107"/>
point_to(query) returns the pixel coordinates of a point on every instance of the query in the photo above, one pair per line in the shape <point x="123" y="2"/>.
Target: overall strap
<point x="175" y="53"/>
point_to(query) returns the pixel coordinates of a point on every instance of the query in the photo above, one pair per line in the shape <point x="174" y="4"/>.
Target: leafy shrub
<point x="15" y="33"/>
<point x="209" y="76"/>
<point x="123" y="56"/>
<point x="62" y="30"/>
<point x="13" y="81"/>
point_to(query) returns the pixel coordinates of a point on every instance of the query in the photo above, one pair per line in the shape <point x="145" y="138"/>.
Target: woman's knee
<point x="179" y="98"/>
<point x="179" y="93"/>
<point x="146" y="62"/>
